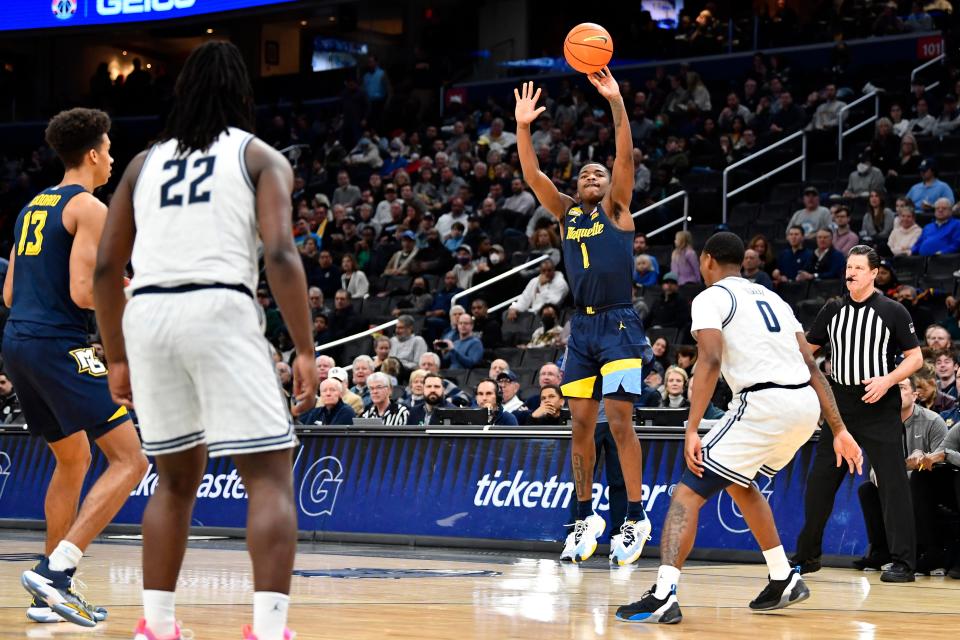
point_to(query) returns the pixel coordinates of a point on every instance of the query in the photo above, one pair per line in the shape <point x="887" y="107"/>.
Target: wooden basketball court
<point x="353" y="591"/>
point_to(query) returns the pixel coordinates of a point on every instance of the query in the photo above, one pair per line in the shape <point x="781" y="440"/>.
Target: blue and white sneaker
<point x="38" y="611"/>
<point x="781" y="593"/>
<point x="584" y="538"/>
<point x="652" y="609"/>
<point x="626" y="546"/>
<point x="55" y="589"/>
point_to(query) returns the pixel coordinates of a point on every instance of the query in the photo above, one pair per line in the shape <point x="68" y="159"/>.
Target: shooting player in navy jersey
<point x="607" y="347"/>
<point x="61" y="384"/>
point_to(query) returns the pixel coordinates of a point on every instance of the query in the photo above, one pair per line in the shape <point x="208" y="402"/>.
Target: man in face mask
<point x="548" y="334"/>
<point x="864" y="179"/>
<point x="488" y="328"/>
<point x="465" y="269"/>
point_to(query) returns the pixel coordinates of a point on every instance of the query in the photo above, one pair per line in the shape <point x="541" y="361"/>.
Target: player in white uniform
<point x="189" y="211"/>
<point x="749" y="334"/>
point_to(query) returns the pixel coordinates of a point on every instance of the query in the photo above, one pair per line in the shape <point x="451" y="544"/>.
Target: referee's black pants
<point x="879" y="432"/>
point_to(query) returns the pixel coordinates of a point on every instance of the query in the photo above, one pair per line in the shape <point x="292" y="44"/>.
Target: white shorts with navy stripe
<point x="760" y="433"/>
<point x="201" y="373"/>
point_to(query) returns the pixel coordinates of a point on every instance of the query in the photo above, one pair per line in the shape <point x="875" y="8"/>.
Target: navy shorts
<point x="605" y="354"/>
<point x="62" y="387"/>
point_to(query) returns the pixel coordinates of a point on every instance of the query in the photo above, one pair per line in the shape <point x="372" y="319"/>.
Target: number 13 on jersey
<point x="33" y="222"/>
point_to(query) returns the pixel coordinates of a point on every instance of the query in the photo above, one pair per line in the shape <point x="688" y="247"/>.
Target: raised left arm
<point x="617" y="200"/>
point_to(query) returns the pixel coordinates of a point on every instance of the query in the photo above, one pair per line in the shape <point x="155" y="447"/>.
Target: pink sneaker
<point x="142" y="633"/>
<point x="248" y="634"/>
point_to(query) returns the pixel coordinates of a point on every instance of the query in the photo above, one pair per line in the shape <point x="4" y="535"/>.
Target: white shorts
<point x="760" y="433"/>
<point x="201" y="373"/>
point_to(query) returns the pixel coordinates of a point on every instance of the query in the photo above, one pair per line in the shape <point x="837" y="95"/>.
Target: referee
<point x="866" y="332"/>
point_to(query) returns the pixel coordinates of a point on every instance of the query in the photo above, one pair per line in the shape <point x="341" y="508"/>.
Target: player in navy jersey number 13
<point x="607" y="347"/>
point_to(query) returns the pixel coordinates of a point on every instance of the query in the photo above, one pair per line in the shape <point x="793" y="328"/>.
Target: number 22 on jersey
<point x="33" y="223"/>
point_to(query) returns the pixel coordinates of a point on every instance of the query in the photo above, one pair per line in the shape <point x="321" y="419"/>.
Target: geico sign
<point x="124" y="7"/>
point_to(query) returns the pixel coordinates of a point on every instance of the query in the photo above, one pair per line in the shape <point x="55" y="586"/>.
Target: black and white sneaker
<point x="781" y="593"/>
<point x="652" y="609"/>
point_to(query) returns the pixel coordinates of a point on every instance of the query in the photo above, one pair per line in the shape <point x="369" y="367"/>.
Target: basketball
<point x="588" y="47"/>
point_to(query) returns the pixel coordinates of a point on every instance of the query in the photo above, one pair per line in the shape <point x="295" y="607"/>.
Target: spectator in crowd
<point x="924" y="431"/>
<point x="509" y="388"/>
<point x="884" y="149"/>
<point x="878" y="221"/>
<point x="433" y="399"/>
<point x="272" y="320"/>
<point x="315" y="300"/>
<point x="456" y="238"/>
<point x="826" y="263"/>
<point x="333" y="411"/>
<point x="465" y="268"/>
<point x="520" y="200"/>
<point x="795" y="257"/>
<point x="751" y="270"/>
<point x="382" y="406"/>
<point x="918" y="20"/>
<point x="687" y="358"/>
<point x="790" y="117"/>
<point x="640" y="247"/>
<point x="548" y="334"/>
<point x="886" y="282"/>
<point x="940" y="236"/>
<point x="402" y="261"/>
<point x="551" y="403"/>
<point x="669" y="309"/>
<point x="457" y="213"/>
<point x="352" y="279"/>
<point x="827" y="114"/>
<point x="646" y="275"/>
<point x="10" y="411"/>
<point x="548" y="287"/>
<point x="284" y="375"/>
<point x="543" y="242"/>
<point x="324" y="364"/>
<point x="760" y="244"/>
<point x="438" y="315"/>
<point x="405" y="346"/>
<point x="908" y="160"/>
<point x="356" y="402"/>
<point x="936" y="337"/>
<point x="731" y="111"/>
<point x="417" y="302"/>
<point x="844" y="237"/>
<point x="365" y="155"/>
<point x="901" y="125"/>
<point x="381" y="351"/>
<point x="345" y="321"/>
<point x="486" y="326"/>
<point x="919" y="313"/>
<point x="430" y="362"/>
<point x="925" y="193"/>
<point x="945" y="366"/>
<point x="675" y="388"/>
<point x="549" y="374"/>
<point x="346" y="194"/>
<point x="328" y="274"/>
<point x="455" y="312"/>
<point x="949" y="119"/>
<point x="924" y="123"/>
<point x="498" y="366"/>
<point x="864" y="179"/>
<point x="661" y="354"/>
<point x="813" y="217"/>
<point x="414" y="395"/>
<point x="488" y="397"/>
<point x="906" y="232"/>
<point x="363" y="367"/>
<point x="497" y="138"/>
<point x="466" y="351"/>
<point x="684" y="263"/>
<point x="928" y="394"/>
<point x="934" y="483"/>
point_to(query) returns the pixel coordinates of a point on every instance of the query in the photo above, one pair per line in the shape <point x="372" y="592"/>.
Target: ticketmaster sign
<point x="51" y="14"/>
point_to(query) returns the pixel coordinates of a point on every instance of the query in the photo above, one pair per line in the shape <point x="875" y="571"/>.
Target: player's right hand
<point x="304" y="383"/>
<point x="693" y="453"/>
<point x="118" y="379"/>
<point x="526" y="110"/>
<point x="847" y="449"/>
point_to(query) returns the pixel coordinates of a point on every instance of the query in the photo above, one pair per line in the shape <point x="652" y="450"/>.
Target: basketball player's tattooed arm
<point x="616" y="202"/>
<point x="844" y="445"/>
<point x="273" y="177"/>
<point x="525" y="113"/>
<point x="113" y="254"/>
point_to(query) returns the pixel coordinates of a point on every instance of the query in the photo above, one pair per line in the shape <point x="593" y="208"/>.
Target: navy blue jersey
<point x="598" y="258"/>
<point x="42" y="306"/>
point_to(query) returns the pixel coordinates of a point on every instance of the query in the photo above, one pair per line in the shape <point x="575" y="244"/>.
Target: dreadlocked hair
<point x="213" y="92"/>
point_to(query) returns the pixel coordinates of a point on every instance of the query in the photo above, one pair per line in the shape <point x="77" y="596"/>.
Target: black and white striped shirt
<point x="395" y="415"/>
<point x="865" y="338"/>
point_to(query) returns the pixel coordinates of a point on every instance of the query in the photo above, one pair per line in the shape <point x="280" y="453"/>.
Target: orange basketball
<point x="588" y="47"/>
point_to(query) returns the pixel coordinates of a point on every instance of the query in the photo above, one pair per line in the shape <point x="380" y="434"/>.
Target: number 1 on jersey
<point x="32" y="221"/>
<point x="769" y="318"/>
<point x="586" y="256"/>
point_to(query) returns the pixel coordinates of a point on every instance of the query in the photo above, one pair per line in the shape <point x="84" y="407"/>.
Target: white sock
<point x="777" y="563"/>
<point x="270" y="614"/>
<point x="65" y="557"/>
<point x="158" y="609"/>
<point x="667" y="579"/>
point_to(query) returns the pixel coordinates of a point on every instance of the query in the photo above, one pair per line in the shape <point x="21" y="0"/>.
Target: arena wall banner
<point x="504" y="488"/>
